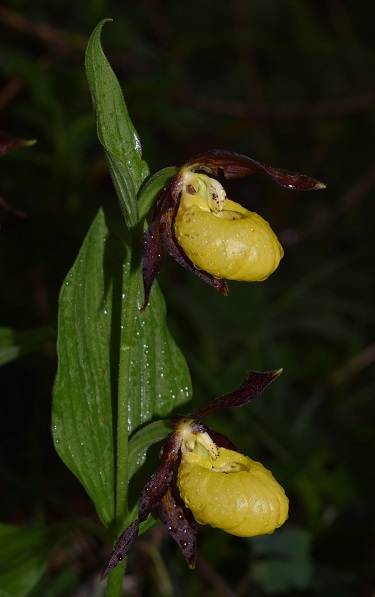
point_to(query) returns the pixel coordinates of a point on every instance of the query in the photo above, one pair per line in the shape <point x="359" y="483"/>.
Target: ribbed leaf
<point x="115" y="129"/>
<point x="92" y="311"/>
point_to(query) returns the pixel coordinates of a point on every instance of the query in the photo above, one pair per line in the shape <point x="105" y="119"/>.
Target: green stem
<point x="114" y="581"/>
<point x="122" y="462"/>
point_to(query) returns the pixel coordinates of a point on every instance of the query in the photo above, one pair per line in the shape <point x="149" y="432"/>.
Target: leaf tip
<point x="277" y="372"/>
<point x="320" y="185"/>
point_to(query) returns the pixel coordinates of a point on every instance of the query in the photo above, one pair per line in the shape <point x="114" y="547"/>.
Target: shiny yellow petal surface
<point x="233" y="243"/>
<point x="232" y="492"/>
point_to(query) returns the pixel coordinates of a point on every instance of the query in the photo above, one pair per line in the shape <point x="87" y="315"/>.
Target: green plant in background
<point x="119" y="369"/>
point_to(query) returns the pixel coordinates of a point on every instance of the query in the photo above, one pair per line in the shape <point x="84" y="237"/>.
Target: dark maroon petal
<point x="152" y="246"/>
<point x="152" y="493"/>
<point x="122" y="547"/>
<point x="7" y="143"/>
<point x="235" y="165"/>
<point x="155" y="488"/>
<point x="165" y="201"/>
<point x="180" y="523"/>
<point x="160" y="480"/>
<point x="152" y="258"/>
<point x="177" y="253"/>
<point x="253" y="385"/>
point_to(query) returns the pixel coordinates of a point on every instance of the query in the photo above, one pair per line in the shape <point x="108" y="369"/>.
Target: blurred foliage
<point x="288" y="83"/>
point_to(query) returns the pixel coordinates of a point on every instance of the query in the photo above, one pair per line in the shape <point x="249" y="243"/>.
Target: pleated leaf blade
<point x="115" y="129"/>
<point x="91" y="313"/>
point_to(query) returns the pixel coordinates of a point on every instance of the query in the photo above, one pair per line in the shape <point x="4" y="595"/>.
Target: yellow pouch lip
<point x="247" y="503"/>
<point x="244" y="249"/>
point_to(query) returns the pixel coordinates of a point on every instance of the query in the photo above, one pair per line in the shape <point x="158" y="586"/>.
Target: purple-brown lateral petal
<point x="171" y="246"/>
<point x="180" y="523"/>
<point x="152" y="493"/>
<point x="152" y="246"/>
<point x="235" y="165"/>
<point x="160" y="480"/>
<point x="122" y="547"/>
<point x="255" y="382"/>
<point x="7" y="143"/>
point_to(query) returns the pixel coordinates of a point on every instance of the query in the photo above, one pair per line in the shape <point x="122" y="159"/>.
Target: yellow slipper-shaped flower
<point x="202" y="478"/>
<point x="232" y="492"/>
<point x="220" y="236"/>
<point x="205" y="232"/>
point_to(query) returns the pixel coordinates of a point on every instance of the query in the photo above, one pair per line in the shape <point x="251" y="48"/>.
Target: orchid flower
<point x="202" y="478"/>
<point x="207" y="233"/>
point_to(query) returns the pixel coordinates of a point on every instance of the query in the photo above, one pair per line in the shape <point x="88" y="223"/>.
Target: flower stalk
<point x="127" y="333"/>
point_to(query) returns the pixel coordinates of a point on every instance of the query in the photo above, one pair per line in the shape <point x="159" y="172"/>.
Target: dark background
<point x="289" y="83"/>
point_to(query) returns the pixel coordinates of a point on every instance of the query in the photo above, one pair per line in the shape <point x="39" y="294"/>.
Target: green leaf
<point x="115" y="129"/>
<point x="93" y="311"/>
<point x="24" y="556"/>
<point x="15" y="344"/>
<point x="153" y="187"/>
<point x="143" y="439"/>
